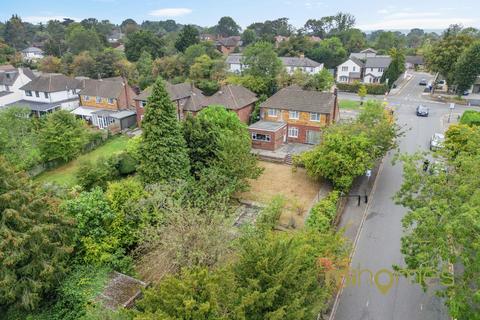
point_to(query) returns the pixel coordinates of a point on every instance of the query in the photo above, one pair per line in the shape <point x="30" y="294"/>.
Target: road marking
<point x="357" y="237"/>
<point x="421" y="306"/>
<point x="368" y="302"/>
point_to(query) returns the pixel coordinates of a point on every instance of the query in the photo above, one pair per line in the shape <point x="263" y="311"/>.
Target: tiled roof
<point x="52" y="82"/>
<point x="234" y="58"/>
<point x="414" y="59"/>
<point x="105" y="88"/>
<point x="378" y="62"/>
<point x="299" y="62"/>
<point x="297" y="99"/>
<point x="233" y="97"/>
<point x="32" y="49"/>
<point x="359" y="62"/>
<point x="267" y="125"/>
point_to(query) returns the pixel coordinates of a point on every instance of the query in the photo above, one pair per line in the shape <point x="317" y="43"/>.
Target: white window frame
<point x="315" y="116"/>
<point x="98" y="99"/>
<point x="37" y="94"/>
<point x="274" y="111"/>
<point x="293" y="132"/>
<point x="344" y="68"/>
<point x="110" y="100"/>
<point x="143" y="103"/>
<point x="86" y="98"/>
<point x="294" y="115"/>
<point x="28" y="93"/>
<point x="45" y="94"/>
<point x="268" y="138"/>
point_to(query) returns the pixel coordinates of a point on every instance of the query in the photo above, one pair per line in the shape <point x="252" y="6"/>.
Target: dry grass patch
<point x="295" y="186"/>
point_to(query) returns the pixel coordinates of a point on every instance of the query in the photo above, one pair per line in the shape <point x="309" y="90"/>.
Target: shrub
<point x="97" y="173"/>
<point x="269" y="216"/>
<point x="471" y="118"/>
<point x="125" y="163"/>
<point x="323" y="213"/>
<point x="376" y="89"/>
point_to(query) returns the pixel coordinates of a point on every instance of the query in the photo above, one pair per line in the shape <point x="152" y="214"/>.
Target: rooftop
<point x="378" y="62"/>
<point x="235" y="58"/>
<point x="52" y="82"/>
<point x="267" y="125"/>
<point x="105" y="88"/>
<point x="298" y="99"/>
<point x="233" y="97"/>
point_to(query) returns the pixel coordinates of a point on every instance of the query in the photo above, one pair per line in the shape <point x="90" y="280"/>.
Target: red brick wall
<point x="275" y="142"/>
<point x="140" y="111"/>
<point x="244" y="113"/>
<point x="302" y="133"/>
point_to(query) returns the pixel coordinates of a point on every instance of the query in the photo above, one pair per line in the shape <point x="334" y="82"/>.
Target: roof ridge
<point x="233" y="96"/>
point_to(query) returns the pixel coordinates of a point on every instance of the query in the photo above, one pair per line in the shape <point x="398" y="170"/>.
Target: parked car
<point x="436" y="142"/>
<point x="423" y="82"/>
<point x="422" y="111"/>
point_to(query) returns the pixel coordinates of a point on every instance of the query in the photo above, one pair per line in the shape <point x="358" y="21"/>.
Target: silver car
<point x="436" y="141"/>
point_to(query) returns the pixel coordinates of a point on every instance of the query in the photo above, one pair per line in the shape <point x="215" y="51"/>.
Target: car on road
<point x="422" y="111"/>
<point x="436" y="141"/>
<point x="423" y="82"/>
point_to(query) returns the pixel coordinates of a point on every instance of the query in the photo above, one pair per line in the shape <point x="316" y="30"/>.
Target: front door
<point x="313" y="137"/>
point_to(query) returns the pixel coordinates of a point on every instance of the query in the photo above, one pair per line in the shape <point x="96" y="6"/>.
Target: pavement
<point x="376" y="229"/>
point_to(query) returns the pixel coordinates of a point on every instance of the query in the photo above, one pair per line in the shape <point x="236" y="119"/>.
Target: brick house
<point x="235" y="98"/>
<point x="304" y="112"/>
<point x="190" y="100"/>
<point x="107" y="102"/>
<point x="229" y="44"/>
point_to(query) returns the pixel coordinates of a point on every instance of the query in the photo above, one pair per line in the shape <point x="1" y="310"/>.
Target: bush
<point x="323" y="213"/>
<point x="97" y="173"/>
<point x="471" y="118"/>
<point x="376" y="89"/>
<point x="269" y="216"/>
<point x="126" y="164"/>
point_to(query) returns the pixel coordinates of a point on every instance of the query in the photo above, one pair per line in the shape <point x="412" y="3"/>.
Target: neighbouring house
<point x="11" y="80"/>
<point x="294" y="115"/>
<point x="375" y="67"/>
<point x="107" y="103"/>
<point x="190" y="100"/>
<point x="350" y="71"/>
<point x="50" y="92"/>
<point x="364" y="54"/>
<point x="186" y="98"/>
<point x="235" y="65"/>
<point x="207" y="37"/>
<point x="235" y="98"/>
<point x="280" y="39"/>
<point x="229" y="44"/>
<point x="414" y="62"/>
<point x="115" y="36"/>
<point x="32" y="54"/>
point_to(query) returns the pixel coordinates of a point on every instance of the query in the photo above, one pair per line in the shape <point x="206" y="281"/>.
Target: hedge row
<point x="371" y="88"/>
<point x="323" y="213"/>
<point x="471" y="118"/>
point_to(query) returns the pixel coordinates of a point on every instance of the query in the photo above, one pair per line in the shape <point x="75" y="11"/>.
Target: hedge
<point x="471" y="118"/>
<point x="323" y="213"/>
<point x="371" y="88"/>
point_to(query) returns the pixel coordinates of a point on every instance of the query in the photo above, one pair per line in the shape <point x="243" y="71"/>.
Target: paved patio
<point x="281" y="153"/>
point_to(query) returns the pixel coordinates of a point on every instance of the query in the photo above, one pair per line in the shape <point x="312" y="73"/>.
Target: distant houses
<point x="235" y="64"/>
<point x="32" y="54"/>
<point x="11" y="80"/>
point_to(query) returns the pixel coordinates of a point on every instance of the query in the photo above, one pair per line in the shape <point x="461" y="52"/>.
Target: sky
<point x="370" y="14"/>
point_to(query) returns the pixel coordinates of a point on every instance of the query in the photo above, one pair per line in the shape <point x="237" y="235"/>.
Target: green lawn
<point x="349" y="104"/>
<point x="65" y="175"/>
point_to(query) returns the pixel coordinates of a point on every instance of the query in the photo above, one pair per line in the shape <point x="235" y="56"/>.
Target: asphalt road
<point x="378" y="246"/>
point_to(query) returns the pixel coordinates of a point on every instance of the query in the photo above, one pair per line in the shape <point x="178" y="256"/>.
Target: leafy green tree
<point x="443" y="56"/>
<point x="98" y="173"/>
<point x="294" y="46"/>
<point x="80" y="39"/>
<point x="84" y="65"/>
<point x="323" y="213"/>
<point x="18" y="139"/>
<point x="329" y="51"/>
<point x="467" y="68"/>
<point x="353" y="40"/>
<point x="163" y="152"/>
<point x="227" y="27"/>
<point x="145" y="68"/>
<point x="388" y="40"/>
<point x="7" y="53"/>
<point x="170" y="68"/>
<point x="217" y="138"/>
<point x="140" y="41"/>
<point x="322" y="81"/>
<point x="187" y="37"/>
<point x="55" y="44"/>
<point x="105" y="63"/>
<point x="396" y="67"/>
<point x="248" y="37"/>
<point x="262" y="62"/>
<point x="196" y="293"/>
<point x="62" y="136"/>
<point x="206" y="72"/>
<point x="35" y="240"/>
<point x="15" y="33"/>
<point x="362" y="92"/>
<point x="50" y="64"/>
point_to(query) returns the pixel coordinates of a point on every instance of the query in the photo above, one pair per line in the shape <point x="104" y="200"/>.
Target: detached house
<point x="190" y="100"/>
<point x="375" y="67"/>
<point x="234" y="63"/>
<point x="364" y="54"/>
<point x="350" y="71"/>
<point x="11" y="80"/>
<point x="50" y="92"/>
<point x="32" y="54"/>
<point x="293" y="115"/>
<point x="107" y="103"/>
